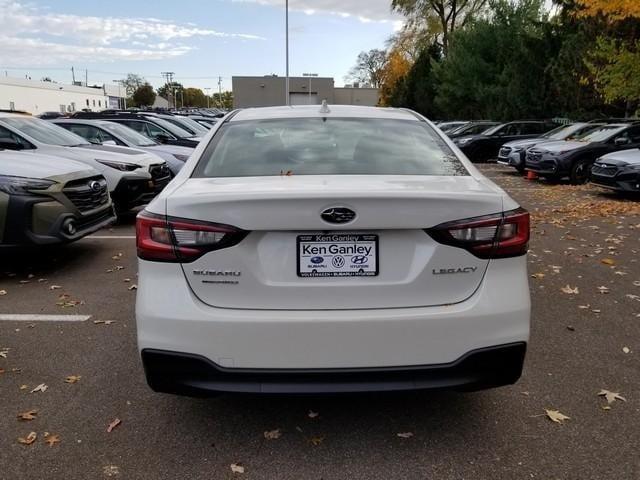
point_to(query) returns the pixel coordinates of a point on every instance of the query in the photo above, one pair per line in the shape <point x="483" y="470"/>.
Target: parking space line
<point x="111" y="237"/>
<point x="7" y="317"/>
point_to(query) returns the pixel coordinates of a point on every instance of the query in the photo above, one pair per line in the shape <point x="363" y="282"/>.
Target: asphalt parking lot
<point x="585" y="267"/>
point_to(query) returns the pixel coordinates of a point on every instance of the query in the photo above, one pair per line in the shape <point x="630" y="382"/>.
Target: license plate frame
<point x="354" y="251"/>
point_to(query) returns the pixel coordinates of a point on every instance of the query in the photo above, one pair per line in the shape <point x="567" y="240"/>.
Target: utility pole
<point x="168" y="76"/>
<point x="220" y="92"/>
<point x="86" y="77"/>
<point x="73" y="75"/>
<point x="208" y="89"/>
<point x="288" y="96"/>
<point x="310" y="75"/>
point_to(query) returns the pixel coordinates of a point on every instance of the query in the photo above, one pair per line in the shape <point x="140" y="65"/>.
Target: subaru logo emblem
<point x="338" y="215"/>
<point x="95" y="186"/>
<point x="317" y="260"/>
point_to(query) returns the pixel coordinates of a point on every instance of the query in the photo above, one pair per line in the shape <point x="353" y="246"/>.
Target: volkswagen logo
<point x="338" y="261"/>
<point x="338" y="215"/>
<point x="95" y="186"/>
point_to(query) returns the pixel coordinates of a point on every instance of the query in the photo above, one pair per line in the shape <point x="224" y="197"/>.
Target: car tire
<point x="580" y="172"/>
<point x="520" y="168"/>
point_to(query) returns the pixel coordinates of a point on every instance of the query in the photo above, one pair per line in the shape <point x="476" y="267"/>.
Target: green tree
<point x="144" y="96"/>
<point x="222" y="101"/>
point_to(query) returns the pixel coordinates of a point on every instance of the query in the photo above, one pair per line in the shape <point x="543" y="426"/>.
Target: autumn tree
<point x="449" y="14"/>
<point x="369" y="68"/>
<point x="612" y="9"/>
<point x="395" y="70"/>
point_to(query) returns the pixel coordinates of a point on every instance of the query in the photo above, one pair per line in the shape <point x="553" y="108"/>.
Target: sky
<point x="199" y="40"/>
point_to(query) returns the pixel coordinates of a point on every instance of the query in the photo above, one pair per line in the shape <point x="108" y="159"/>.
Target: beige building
<point x="269" y="91"/>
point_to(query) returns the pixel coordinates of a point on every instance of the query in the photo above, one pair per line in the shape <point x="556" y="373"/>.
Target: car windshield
<point x="316" y="146"/>
<point x="174" y="129"/>
<point x="559" y="133"/>
<point x="192" y="125"/>
<point x="45" y="132"/>
<point x="128" y="135"/>
<point x="493" y="130"/>
<point x="602" y="134"/>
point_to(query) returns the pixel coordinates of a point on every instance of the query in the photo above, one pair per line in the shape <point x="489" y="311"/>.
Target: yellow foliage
<point x="395" y="69"/>
<point x="613" y="9"/>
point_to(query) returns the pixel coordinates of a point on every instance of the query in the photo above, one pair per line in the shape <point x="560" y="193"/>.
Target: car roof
<point x="335" y="111"/>
<point x="88" y="121"/>
<point x="16" y="115"/>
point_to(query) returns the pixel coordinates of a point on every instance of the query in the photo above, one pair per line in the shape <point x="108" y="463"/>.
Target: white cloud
<point x="364" y="10"/>
<point x="22" y="28"/>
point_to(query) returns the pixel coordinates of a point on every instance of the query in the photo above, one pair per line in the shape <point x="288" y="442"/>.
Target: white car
<point x="334" y="249"/>
<point x="106" y="133"/>
<point x="133" y="177"/>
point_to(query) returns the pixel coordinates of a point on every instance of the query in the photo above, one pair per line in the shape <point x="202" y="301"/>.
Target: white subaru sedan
<point x="331" y="249"/>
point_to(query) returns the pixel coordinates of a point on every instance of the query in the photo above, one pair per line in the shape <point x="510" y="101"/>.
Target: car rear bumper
<point x="171" y="319"/>
<point x="193" y="375"/>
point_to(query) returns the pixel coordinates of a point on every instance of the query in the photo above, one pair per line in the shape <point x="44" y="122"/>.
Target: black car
<point x="150" y="126"/>
<point x="471" y="128"/>
<point x="619" y="171"/>
<point x="574" y="159"/>
<point x="514" y="153"/>
<point x="483" y="147"/>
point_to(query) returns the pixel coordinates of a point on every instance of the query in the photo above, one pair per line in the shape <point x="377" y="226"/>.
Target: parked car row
<point x="605" y="152"/>
<point x="65" y="178"/>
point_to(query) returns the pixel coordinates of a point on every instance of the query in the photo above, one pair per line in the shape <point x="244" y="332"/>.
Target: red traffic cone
<point x="531" y="175"/>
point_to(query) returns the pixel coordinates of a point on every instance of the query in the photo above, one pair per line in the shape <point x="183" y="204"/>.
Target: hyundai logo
<point x="317" y="260"/>
<point x="359" y="260"/>
<point x="338" y="215"/>
<point x="95" y="186"/>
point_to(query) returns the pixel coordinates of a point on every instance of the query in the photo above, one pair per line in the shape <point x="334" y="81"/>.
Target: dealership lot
<point x="585" y="288"/>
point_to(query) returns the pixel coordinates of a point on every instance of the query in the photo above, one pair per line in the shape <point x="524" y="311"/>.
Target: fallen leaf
<point x="312" y="414"/>
<point x="272" y="434"/>
<point x="55" y="287"/>
<point x="237" y="468"/>
<point x="603" y="289"/>
<point x="626" y="350"/>
<point x="40" y="388"/>
<point x="611" y="396"/>
<point x="570" y="291"/>
<point x="117" y="257"/>
<point x="556" y="416"/>
<point x="51" y="439"/>
<point x="27" y="416"/>
<point x="103" y="322"/>
<point x="72" y="379"/>
<point x="608" y="261"/>
<point x="4" y="352"/>
<point x="127" y="280"/>
<point x="23" y="387"/>
<point x="538" y="276"/>
<point x="111" y="470"/>
<point x="315" y="441"/>
<point x="405" y="435"/>
<point x="133" y="287"/>
<point x="3" y="293"/>
<point x="113" y="425"/>
<point x="29" y="439"/>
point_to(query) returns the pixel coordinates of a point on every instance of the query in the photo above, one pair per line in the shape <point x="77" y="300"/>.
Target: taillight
<point x="169" y="239"/>
<point x="493" y="236"/>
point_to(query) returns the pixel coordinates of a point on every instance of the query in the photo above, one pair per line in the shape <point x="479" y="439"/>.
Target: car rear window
<point x="321" y="146"/>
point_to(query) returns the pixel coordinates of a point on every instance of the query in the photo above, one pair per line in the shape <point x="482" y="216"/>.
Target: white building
<point x="37" y="97"/>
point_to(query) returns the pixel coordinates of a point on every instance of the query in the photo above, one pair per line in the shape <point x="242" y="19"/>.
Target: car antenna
<point x="324" y="108"/>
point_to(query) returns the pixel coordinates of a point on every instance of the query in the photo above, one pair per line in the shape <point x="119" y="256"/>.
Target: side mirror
<point x="10" y="144"/>
<point x="109" y="142"/>
<point x="620" y="141"/>
<point x="162" y="138"/>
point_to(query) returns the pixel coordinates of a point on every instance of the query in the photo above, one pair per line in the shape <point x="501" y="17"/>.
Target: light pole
<point x="207" y="89"/>
<point x="310" y="75"/>
<point x="288" y="96"/>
